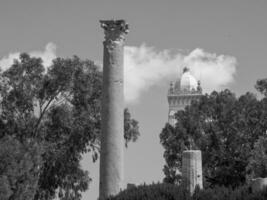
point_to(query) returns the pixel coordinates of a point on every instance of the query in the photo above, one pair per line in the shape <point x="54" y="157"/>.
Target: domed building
<point x="181" y="93"/>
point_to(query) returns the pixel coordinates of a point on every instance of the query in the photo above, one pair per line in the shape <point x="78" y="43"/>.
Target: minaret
<point x="180" y="94"/>
<point x="111" y="154"/>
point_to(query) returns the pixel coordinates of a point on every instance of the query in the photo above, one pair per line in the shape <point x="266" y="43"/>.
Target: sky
<point x="222" y="42"/>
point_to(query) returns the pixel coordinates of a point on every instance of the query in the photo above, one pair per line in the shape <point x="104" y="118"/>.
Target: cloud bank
<point x="146" y="67"/>
<point x="47" y="55"/>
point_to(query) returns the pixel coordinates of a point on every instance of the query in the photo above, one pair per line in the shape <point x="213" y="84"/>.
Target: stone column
<point x="192" y="170"/>
<point x="112" y="139"/>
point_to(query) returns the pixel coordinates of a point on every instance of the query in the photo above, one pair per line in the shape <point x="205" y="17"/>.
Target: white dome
<point x="172" y="112"/>
<point x="188" y="82"/>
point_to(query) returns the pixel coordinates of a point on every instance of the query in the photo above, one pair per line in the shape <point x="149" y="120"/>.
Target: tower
<point x="111" y="153"/>
<point x="181" y="93"/>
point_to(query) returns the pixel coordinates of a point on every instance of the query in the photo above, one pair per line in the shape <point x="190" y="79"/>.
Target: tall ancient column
<point x="192" y="170"/>
<point x="112" y="140"/>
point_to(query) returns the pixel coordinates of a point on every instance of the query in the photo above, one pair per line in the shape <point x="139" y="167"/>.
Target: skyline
<point x="235" y="30"/>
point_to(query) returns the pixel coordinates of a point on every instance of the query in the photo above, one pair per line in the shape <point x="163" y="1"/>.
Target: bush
<point x="173" y="192"/>
<point x="223" y="193"/>
<point x="155" y="191"/>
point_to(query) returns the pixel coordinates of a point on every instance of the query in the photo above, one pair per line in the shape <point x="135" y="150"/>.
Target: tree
<point x="224" y="128"/>
<point x="58" y="109"/>
<point x="131" y="128"/>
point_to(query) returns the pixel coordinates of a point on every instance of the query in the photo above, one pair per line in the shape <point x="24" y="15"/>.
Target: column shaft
<point x="192" y="170"/>
<point x="112" y="140"/>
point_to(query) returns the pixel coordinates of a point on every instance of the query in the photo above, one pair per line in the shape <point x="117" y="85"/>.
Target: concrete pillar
<point x="112" y="139"/>
<point x="192" y="170"/>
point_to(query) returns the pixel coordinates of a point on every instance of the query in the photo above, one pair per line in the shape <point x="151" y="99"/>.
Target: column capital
<point x="115" y="30"/>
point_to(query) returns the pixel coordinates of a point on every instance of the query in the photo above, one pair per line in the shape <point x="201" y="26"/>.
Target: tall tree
<point x="58" y="109"/>
<point x="224" y="128"/>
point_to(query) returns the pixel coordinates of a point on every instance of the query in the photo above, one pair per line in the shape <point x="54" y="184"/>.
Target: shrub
<point x="173" y="192"/>
<point x="155" y="191"/>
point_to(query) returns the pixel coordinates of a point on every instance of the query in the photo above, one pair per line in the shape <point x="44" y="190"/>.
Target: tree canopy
<point x="49" y="117"/>
<point x="226" y="129"/>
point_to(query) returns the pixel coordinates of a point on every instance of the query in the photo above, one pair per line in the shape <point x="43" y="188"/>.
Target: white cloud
<point x="214" y="71"/>
<point x="47" y="55"/>
<point x="146" y="67"/>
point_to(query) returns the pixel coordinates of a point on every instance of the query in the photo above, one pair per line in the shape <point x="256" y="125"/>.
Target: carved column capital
<point x="115" y="30"/>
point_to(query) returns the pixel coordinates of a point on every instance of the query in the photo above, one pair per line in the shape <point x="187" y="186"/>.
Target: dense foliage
<point x="48" y="119"/>
<point x="257" y="166"/>
<point x="18" y="168"/>
<point x="153" y="192"/>
<point x="229" y="131"/>
<point x="173" y="192"/>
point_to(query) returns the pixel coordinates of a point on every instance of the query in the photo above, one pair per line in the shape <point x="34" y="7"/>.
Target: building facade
<point x="181" y="93"/>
